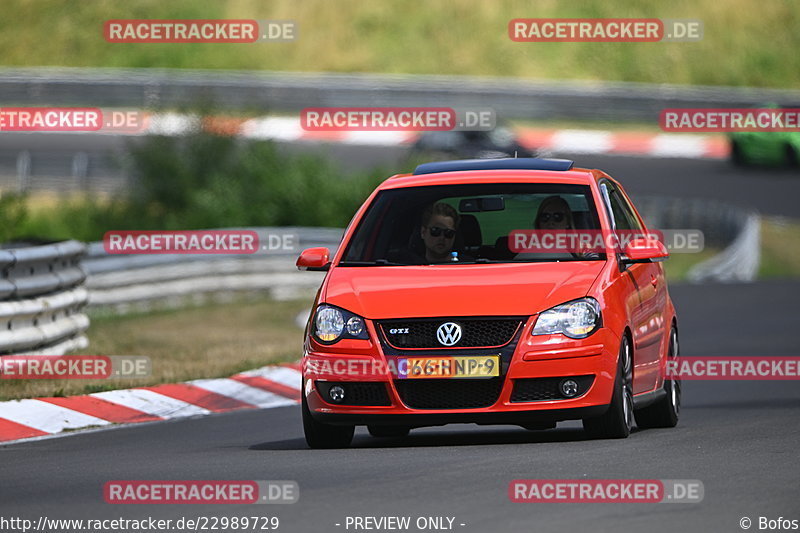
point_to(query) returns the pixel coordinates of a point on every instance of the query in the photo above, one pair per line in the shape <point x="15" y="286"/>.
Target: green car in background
<point x="774" y="148"/>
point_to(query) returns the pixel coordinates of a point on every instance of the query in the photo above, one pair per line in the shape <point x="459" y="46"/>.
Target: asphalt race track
<point x="770" y="191"/>
<point x="739" y="438"/>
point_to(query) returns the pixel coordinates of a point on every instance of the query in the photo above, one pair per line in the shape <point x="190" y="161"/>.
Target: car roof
<point x="508" y="170"/>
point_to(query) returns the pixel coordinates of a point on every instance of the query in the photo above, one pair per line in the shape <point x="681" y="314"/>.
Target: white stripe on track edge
<point x="47" y="417"/>
<point x="151" y="402"/>
<point x="582" y="141"/>
<point x="242" y="392"/>
<point x="378" y="138"/>
<point x="667" y="145"/>
<point x="280" y="128"/>
<point x="280" y="374"/>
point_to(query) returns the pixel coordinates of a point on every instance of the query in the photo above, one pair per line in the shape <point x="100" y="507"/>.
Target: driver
<point x="438" y="231"/>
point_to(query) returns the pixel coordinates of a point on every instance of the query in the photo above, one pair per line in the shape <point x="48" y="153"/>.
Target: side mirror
<point x="644" y="250"/>
<point x="314" y="259"/>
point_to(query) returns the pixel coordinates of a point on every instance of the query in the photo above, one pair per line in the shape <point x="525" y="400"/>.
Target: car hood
<point x="382" y="292"/>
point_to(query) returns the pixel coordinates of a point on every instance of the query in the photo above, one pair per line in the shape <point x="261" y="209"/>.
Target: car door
<point x="647" y="312"/>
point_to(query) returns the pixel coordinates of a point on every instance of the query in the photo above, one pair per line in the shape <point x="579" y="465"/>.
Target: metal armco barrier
<point x="124" y="283"/>
<point x="734" y="230"/>
<point x="739" y="261"/>
<point x="42" y="296"/>
<point x="286" y="91"/>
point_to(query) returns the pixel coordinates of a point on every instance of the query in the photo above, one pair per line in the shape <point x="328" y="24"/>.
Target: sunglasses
<point x="435" y="231"/>
<point x="557" y="217"/>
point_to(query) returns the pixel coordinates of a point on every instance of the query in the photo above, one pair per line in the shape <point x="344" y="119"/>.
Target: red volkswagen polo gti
<point x="437" y="309"/>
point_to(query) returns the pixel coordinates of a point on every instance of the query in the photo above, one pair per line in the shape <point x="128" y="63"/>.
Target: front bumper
<point x="533" y="357"/>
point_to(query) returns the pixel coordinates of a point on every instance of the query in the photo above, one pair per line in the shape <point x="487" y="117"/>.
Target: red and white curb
<point x="570" y="141"/>
<point x="269" y="386"/>
<point x="655" y="145"/>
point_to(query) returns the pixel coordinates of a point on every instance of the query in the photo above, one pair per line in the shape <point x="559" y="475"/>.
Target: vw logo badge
<point x="448" y="333"/>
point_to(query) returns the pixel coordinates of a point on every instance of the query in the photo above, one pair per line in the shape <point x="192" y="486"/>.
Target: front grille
<point x="475" y="332"/>
<point x="449" y="393"/>
<point x="357" y="393"/>
<point x="541" y="389"/>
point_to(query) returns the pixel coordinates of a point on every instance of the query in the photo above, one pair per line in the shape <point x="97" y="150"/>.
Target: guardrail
<point x="286" y="91"/>
<point x="739" y="261"/>
<point x="124" y="283"/>
<point x="42" y="295"/>
<point x="734" y="230"/>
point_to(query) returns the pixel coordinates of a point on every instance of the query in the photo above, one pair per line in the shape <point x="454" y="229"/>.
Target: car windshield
<point x="456" y="224"/>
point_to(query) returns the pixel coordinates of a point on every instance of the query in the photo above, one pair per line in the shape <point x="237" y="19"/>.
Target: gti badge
<point x="448" y="333"/>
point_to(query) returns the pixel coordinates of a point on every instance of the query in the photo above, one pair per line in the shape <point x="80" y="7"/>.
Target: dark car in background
<point x="498" y="143"/>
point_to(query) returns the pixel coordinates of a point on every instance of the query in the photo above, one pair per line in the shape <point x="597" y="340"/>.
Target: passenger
<point x="555" y="214"/>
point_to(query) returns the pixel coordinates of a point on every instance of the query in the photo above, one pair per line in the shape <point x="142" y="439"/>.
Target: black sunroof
<point x="520" y="163"/>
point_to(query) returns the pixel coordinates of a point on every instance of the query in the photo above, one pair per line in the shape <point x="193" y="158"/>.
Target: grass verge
<point x="744" y="42"/>
<point x="202" y="342"/>
<point x="780" y="248"/>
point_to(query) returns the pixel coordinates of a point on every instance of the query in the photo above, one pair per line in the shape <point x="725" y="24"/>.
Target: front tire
<point x="617" y="421"/>
<point x="325" y="436"/>
<point x="665" y="412"/>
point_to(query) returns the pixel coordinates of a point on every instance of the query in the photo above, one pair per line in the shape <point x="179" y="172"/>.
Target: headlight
<point x="329" y="323"/>
<point x="332" y="324"/>
<point x="577" y="319"/>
